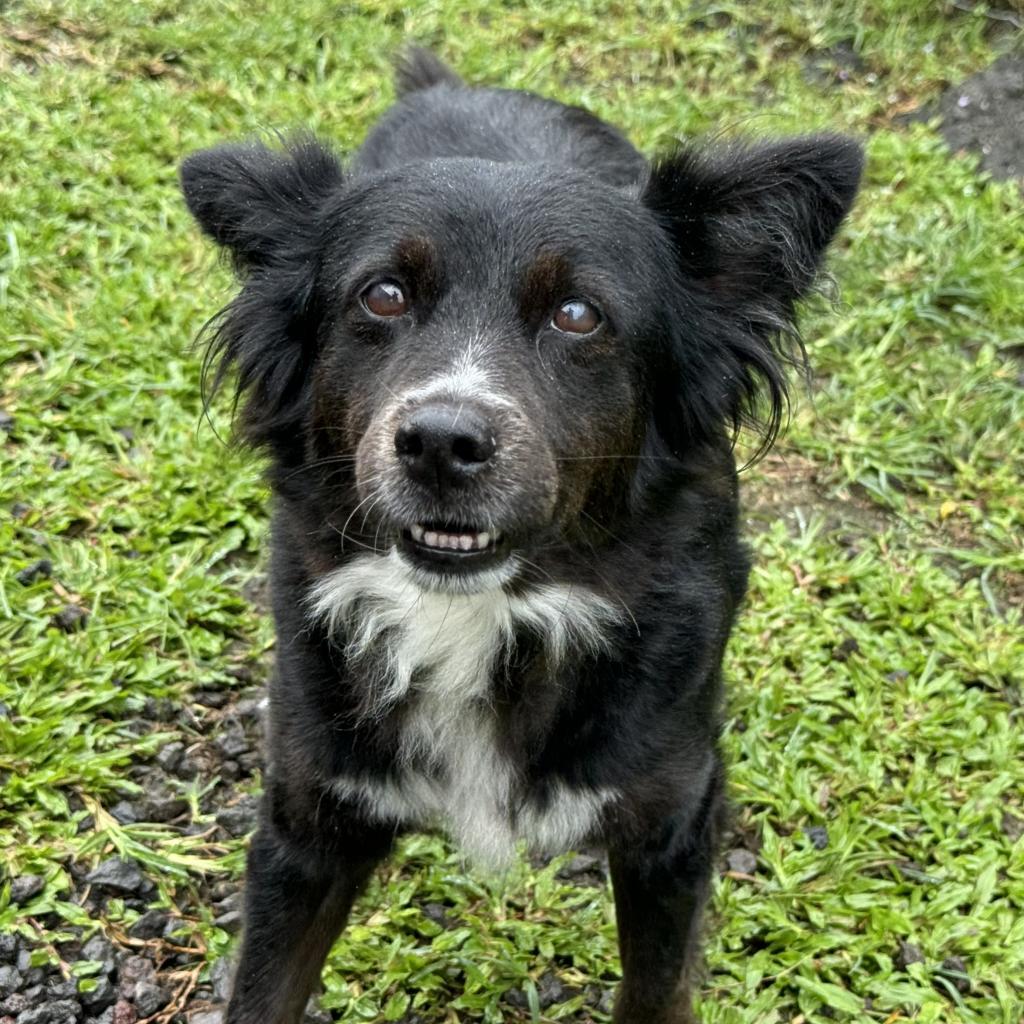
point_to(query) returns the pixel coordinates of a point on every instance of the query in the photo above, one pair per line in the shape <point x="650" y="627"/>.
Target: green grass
<point x="888" y="526"/>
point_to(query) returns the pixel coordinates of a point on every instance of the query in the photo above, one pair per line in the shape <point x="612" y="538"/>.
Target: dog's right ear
<point x="265" y="207"/>
<point x="259" y="203"/>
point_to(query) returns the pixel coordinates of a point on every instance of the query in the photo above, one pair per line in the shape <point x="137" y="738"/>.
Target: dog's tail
<point x="417" y="68"/>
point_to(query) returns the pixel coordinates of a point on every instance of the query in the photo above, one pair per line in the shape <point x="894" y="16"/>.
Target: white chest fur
<point x="439" y="650"/>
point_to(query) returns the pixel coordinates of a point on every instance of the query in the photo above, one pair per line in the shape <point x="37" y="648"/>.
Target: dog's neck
<point x="438" y="652"/>
<point x="448" y="643"/>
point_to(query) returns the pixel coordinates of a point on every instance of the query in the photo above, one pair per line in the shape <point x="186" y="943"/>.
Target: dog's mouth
<point x="453" y="547"/>
<point x="458" y="539"/>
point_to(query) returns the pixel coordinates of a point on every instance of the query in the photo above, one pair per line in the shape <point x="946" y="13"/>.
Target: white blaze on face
<point x="466" y="380"/>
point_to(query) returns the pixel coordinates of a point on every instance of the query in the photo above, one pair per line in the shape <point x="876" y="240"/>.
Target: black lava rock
<point x="121" y="877"/>
<point x="102" y="995"/>
<point x="100" y="949"/>
<point x="233" y="741"/>
<point x="150" y="997"/>
<point x="44" y="567"/>
<point x="221" y="975"/>
<point x="159" y="709"/>
<point x="908" y="954"/>
<point x="71" y="618"/>
<point x="517" y="997"/>
<point x="11" y="980"/>
<point x="211" y="698"/>
<point x="584" y="869"/>
<point x="135" y="970"/>
<point x="170" y="756"/>
<point x="167" y="809"/>
<point x="741" y="861"/>
<point x="59" y="1011"/>
<point x="126" y="813"/>
<point x="240" y="818"/>
<point x="818" y="836"/>
<point x="150" y="926"/>
<point x="955" y="970"/>
<point x="438" y="913"/>
<point x="206" y="1017"/>
<point x="550" y="991"/>
<point x="59" y="988"/>
<point x="26" y="887"/>
<point x="231" y="922"/>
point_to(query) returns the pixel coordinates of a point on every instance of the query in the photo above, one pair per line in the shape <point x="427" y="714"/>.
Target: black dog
<point x="497" y="363"/>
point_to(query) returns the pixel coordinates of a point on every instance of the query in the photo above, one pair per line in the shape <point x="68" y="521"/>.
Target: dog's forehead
<point x="465" y="205"/>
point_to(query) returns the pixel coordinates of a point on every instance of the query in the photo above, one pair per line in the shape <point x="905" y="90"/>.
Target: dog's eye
<point x="576" y="317"/>
<point x="385" y="299"/>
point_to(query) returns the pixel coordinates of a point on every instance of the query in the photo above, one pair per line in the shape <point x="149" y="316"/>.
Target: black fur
<point x="614" y="474"/>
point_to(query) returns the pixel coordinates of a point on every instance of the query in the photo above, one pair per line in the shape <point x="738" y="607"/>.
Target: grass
<point x="876" y="672"/>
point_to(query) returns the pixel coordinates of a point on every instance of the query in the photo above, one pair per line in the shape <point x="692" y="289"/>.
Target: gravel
<point x="26" y="887"/>
<point x="10" y="980"/>
<point x="100" y="997"/>
<point x="151" y="925"/>
<point x="71" y="618"/>
<point x="121" y="877"/>
<point x="818" y="835"/>
<point x="42" y="568"/>
<point x="741" y="861"/>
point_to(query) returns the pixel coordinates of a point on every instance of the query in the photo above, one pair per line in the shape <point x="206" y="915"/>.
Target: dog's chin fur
<point x="480" y="582"/>
<point x="438" y="650"/>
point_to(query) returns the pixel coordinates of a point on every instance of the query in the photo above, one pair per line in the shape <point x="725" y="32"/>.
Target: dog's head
<point x="476" y="358"/>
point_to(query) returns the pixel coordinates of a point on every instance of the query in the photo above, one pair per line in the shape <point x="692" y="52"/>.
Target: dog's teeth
<point x="453" y="541"/>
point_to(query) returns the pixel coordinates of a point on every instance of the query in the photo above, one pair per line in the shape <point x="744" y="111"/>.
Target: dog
<point x="498" y="363"/>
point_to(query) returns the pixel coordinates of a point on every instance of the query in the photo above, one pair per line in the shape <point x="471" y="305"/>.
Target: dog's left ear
<point x="753" y="221"/>
<point x="749" y="225"/>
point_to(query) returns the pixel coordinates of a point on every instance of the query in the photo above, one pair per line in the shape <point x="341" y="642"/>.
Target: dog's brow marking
<point x="439" y="650"/>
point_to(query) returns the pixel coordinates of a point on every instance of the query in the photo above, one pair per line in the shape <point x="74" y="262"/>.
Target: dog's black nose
<point x="445" y="444"/>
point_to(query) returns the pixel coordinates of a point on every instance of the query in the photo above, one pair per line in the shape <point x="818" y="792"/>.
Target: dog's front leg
<point x="299" y="890"/>
<point x="661" y="885"/>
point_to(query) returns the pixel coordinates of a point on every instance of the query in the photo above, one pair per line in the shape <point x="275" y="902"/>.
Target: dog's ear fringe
<point x="749" y="224"/>
<point x="263" y="342"/>
<point x="263" y="207"/>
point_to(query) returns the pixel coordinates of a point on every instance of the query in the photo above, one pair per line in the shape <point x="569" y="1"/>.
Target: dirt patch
<point x="985" y="114"/>
<point x="29" y="45"/>
<point x="787" y="486"/>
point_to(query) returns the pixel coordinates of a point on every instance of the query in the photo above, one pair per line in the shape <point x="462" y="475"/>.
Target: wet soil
<point x="984" y="114"/>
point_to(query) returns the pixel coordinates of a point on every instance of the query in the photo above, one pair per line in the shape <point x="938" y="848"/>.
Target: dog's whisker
<point x="640" y="458"/>
<point x="603" y="528"/>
